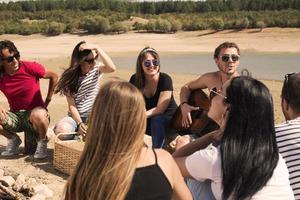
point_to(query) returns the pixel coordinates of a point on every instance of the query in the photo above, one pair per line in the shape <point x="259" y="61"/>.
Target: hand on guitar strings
<point x="186" y="114"/>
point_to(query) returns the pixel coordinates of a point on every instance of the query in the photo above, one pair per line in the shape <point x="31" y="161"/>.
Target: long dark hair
<point x="68" y="82"/>
<point x="139" y="72"/>
<point x="248" y="147"/>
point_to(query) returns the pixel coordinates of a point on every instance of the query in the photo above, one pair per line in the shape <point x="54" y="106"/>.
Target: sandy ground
<point x="54" y="52"/>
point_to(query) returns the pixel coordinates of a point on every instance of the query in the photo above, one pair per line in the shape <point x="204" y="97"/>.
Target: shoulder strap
<point x="155" y="155"/>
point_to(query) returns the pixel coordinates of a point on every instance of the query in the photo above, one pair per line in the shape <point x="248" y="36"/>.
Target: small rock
<point x="1" y="173"/>
<point x="7" y="181"/>
<point x="19" y="183"/>
<point x="31" y="182"/>
<point x="43" y="190"/>
<point x="27" y="190"/>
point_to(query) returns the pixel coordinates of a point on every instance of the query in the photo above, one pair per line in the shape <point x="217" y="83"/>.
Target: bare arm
<point x="162" y="104"/>
<point x="172" y="172"/>
<point x="185" y="93"/>
<point x="53" y="79"/>
<point x="75" y="114"/>
<point x="107" y="66"/>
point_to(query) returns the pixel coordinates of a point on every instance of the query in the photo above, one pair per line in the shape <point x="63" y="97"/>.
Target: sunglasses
<point x="90" y="61"/>
<point x="11" y="58"/>
<point x="149" y="63"/>
<point x="286" y="83"/>
<point x="228" y="57"/>
<point x="213" y="92"/>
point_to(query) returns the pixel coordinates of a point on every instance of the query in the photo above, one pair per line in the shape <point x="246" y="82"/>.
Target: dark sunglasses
<point x="213" y="92"/>
<point x="11" y="58"/>
<point x="149" y="63"/>
<point x="228" y="57"/>
<point x="286" y="83"/>
<point x="90" y="61"/>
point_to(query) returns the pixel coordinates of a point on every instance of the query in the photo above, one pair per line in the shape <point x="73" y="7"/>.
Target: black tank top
<point x="148" y="183"/>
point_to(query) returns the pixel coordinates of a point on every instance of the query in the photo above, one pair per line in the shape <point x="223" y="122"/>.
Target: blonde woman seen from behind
<point x="115" y="163"/>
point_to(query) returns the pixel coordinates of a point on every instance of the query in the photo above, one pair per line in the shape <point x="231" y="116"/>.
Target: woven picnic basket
<point x="66" y="154"/>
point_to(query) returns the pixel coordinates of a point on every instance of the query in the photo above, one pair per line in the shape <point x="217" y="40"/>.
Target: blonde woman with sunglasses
<point x="115" y="163"/>
<point x="80" y="84"/>
<point x="157" y="89"/>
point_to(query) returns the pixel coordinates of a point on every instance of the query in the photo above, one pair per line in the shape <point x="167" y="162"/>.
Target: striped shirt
<point x="288" y="141"/>
<point x="87" y="91"/>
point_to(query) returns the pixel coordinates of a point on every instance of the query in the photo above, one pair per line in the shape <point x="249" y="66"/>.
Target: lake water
<point x="262" y="66"/>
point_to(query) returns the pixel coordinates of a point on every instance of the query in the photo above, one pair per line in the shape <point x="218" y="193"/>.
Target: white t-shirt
<point x="206" y="164"/>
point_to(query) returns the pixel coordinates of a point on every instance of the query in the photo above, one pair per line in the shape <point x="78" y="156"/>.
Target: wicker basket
<point x="66" y="154"/>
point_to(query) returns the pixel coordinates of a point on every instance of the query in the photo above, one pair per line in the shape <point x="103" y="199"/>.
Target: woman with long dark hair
<point x="115" y="163"/>
<point x="80" y="84"/>
<point x="157" y="89"/>
<point x="244" y="163"/>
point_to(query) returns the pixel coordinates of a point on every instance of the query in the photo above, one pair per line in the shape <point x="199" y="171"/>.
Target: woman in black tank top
<point x="108" y="167"/>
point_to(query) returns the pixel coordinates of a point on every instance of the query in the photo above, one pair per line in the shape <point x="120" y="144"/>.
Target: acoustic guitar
<point x="201" y="123"/>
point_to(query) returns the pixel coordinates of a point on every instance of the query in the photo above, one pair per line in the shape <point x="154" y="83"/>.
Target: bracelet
<point x="78" y="125"/>
<point x="183" y="103"/>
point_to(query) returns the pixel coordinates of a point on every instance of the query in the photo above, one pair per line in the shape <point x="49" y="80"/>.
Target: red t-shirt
<point x="22" y="89"/>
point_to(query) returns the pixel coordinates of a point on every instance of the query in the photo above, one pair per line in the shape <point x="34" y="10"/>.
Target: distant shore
<point x="269" y="40"/>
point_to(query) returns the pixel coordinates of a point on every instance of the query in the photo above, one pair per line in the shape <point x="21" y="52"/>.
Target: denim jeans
<point x="159" y="127"/>
<point x="200" y="190"/>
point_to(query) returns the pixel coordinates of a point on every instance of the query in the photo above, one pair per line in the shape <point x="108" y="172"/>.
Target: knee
<point x="158" y="119"/>
<point x="39" y="115"/>
<point x="62" y="128"/>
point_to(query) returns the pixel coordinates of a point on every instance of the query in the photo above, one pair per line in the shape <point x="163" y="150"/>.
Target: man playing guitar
<point x="227" y="57"/>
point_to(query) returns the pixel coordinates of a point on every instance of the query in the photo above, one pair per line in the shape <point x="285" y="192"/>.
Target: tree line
<point x="53" y="17"/>
<point x="147" y="7"/>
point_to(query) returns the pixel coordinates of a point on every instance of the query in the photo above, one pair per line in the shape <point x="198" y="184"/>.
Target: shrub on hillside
<point x="55" y="28"/>
<point x="96" y="24"/>
<point x="217" y="24"/>
<point x="118" y="27"/>
<point x="260" y="24"/>
<point x="176" y="25"/>
<point x="2" y="30"/>
<point x="242" y="23"/>
<point x="163" y="25"/>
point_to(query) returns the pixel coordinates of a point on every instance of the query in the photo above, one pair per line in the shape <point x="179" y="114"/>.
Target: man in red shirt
<point x="19" y="82"/>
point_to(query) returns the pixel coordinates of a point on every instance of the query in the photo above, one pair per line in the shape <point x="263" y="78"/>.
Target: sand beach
<point x="54" y="53"/>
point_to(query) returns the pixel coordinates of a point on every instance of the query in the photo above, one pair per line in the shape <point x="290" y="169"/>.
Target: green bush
<point x="2" y="30"/>
<point x="260" y="24"/>
<point x="217" y="24"/>
<point x="96" y="25"/>
<point x="163" y="25"/>
<point x="138" y="26"/>
<point x="55" y="28"/>
<point x="150" y="26"/>
<point x="176" y="25"/>
<point x="118" y="27"/>
<point x="242" y="23"/>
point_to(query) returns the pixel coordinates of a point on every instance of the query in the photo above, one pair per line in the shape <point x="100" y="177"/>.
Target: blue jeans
<point x="200" y="190"/>
<point x="69" y="125"/>
<point x="158" y="127"/>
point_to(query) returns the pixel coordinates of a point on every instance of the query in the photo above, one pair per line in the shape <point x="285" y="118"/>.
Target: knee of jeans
<point x="63" y="128"/>
<point x="158" y="119"/>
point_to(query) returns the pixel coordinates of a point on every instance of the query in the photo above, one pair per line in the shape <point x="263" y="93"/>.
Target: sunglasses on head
<point x="228" y="57"/>
<point x="213" y="92"/>
<point x="10" y="58"/>
<point x="149" y="63"/>
<point x="90" y="61"/>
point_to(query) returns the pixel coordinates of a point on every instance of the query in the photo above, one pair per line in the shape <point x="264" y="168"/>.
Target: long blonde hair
<point x="113" y="144"/>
